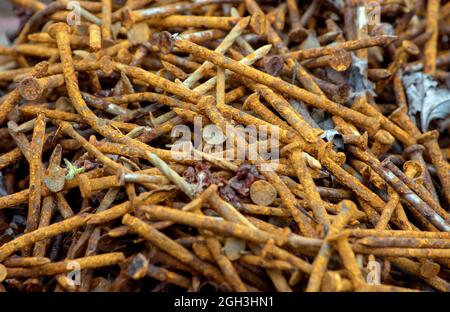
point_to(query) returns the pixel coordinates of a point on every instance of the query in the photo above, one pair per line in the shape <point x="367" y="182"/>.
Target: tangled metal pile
<point x="233" y="145"/>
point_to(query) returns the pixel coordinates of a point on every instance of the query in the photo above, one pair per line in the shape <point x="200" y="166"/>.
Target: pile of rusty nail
<point x="232" y="145"/>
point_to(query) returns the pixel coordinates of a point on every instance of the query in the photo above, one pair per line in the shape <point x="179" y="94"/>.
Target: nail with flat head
<point x="297" y="33"/>
<point x="382" y="143"/>
<point x="415" y="152"/>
